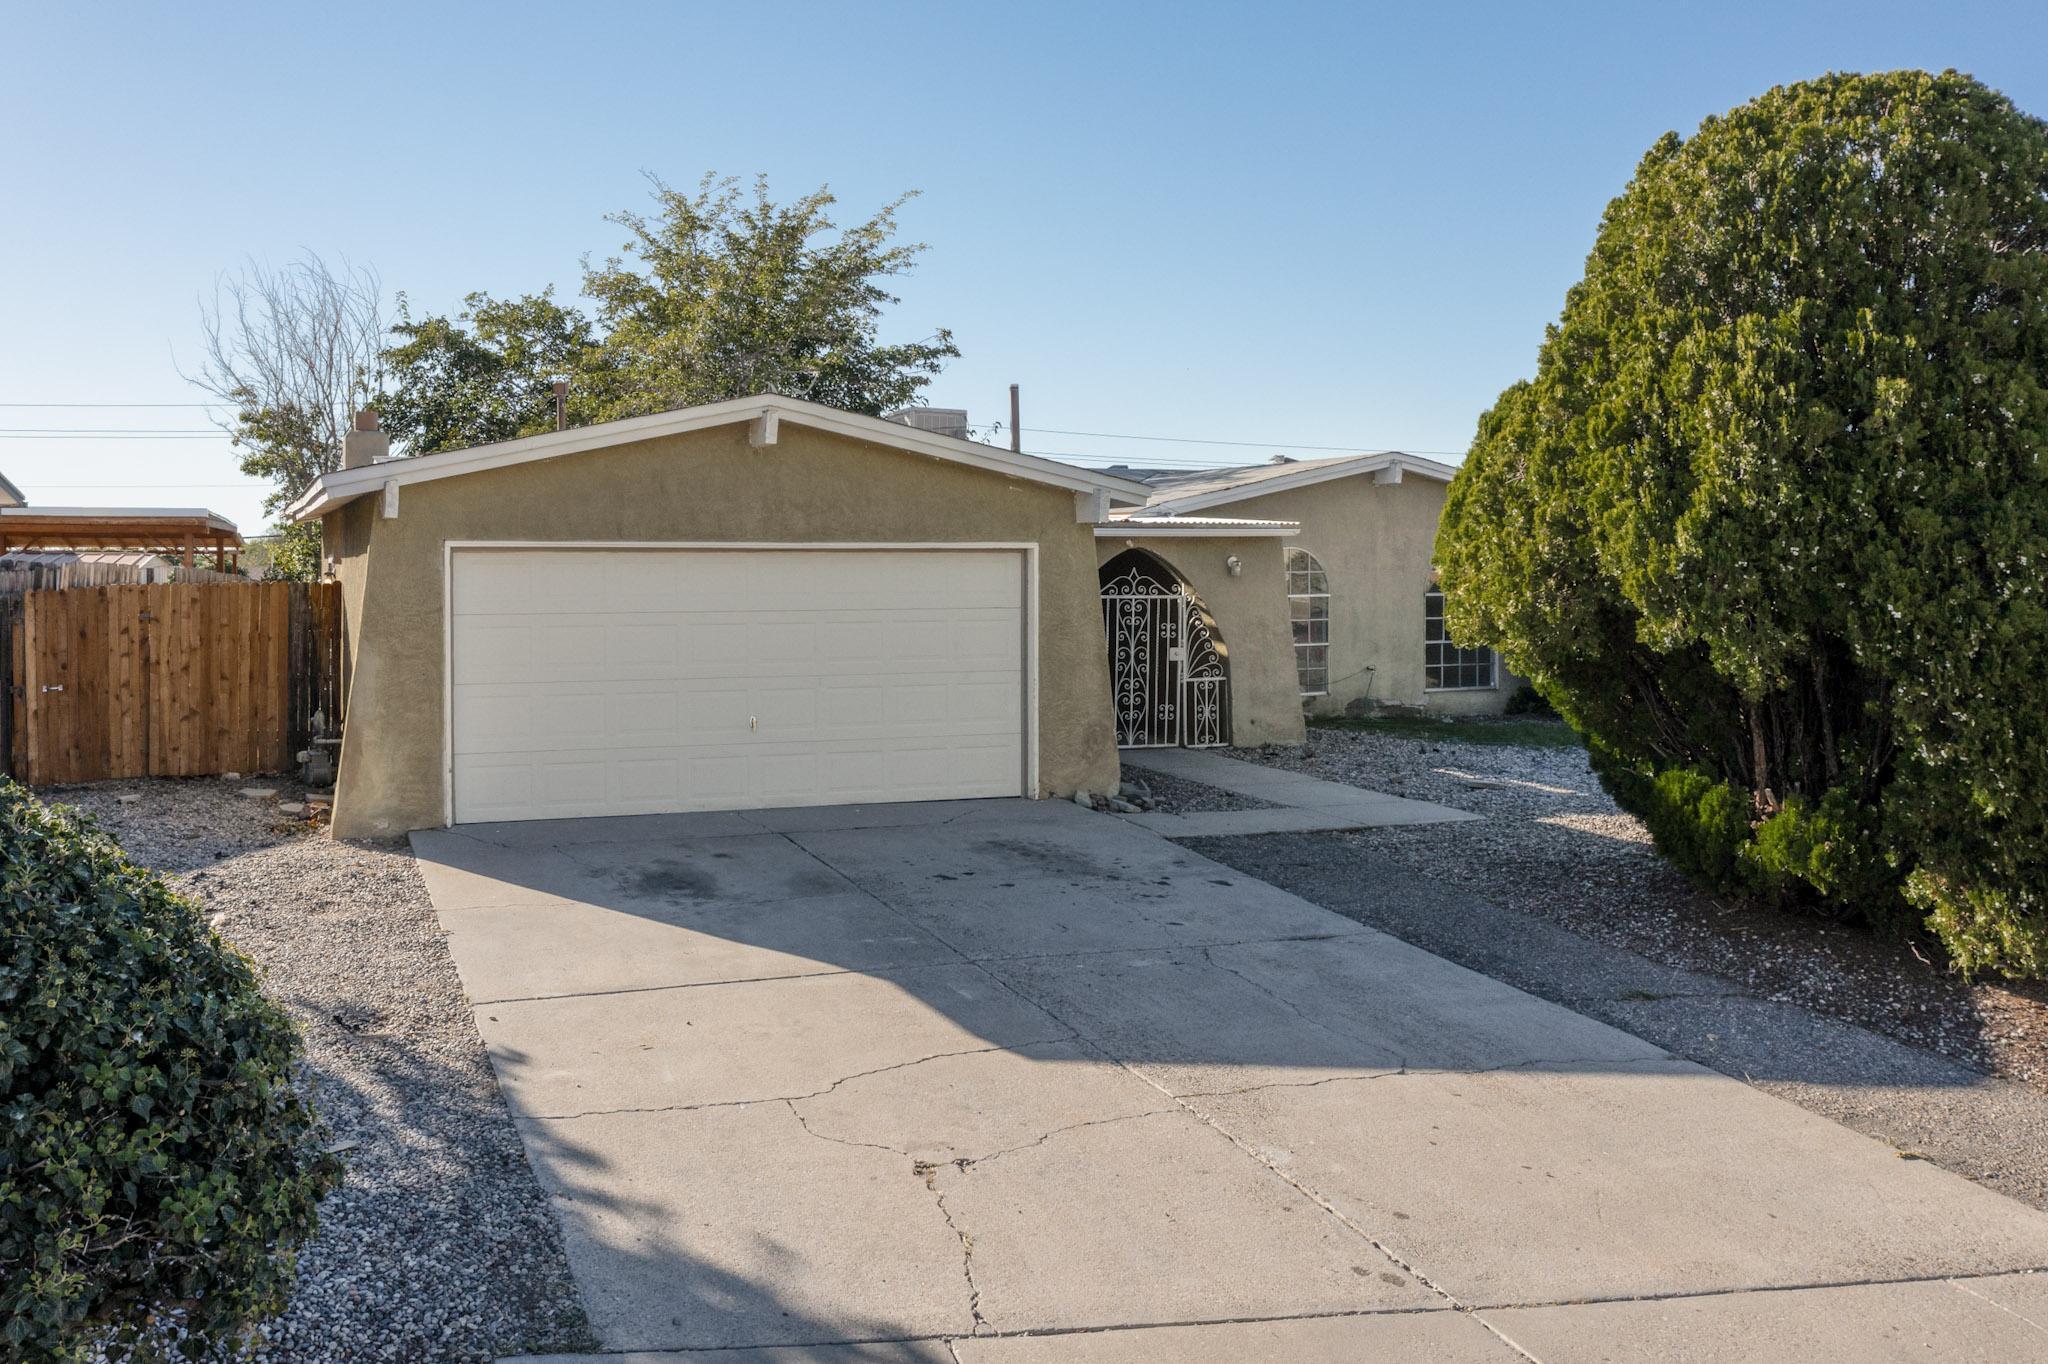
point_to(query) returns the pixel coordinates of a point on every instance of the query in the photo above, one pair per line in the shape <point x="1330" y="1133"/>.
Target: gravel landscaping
<point x="1555" y="846"/>
<point x="1179" y="796"/>
<point x="439" y="1245"/>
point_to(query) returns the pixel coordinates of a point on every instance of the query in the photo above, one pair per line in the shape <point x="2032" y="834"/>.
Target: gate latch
<point x="1176" y="655"/>
<point x="58" y="687"/>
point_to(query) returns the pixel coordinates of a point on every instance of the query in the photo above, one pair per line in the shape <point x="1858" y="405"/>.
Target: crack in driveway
<point x="929" y="1174"/>
<point x="791" y="1098"/>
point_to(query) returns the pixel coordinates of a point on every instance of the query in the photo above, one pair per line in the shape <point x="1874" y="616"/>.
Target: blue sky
<point x="1327" y="225"/>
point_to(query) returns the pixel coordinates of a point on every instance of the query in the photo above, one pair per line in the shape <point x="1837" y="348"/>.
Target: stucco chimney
<point x="366" y="444"/>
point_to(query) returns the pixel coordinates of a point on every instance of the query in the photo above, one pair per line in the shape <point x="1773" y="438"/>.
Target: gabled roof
<point x="1175" y="491"/>
<point x="335" y="489"/>
<point x="10" y="496"/>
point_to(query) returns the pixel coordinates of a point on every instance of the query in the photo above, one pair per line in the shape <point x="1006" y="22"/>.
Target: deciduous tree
<point x="293" y="352"/>
<point x="720" y="293"/>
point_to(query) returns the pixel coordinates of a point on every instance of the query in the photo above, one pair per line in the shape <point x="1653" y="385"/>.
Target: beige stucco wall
<point x="344" y="538"/>
<point x="1375" y="541"/>
<point x="1250" y="610"/>
<point x="707" y="486"/>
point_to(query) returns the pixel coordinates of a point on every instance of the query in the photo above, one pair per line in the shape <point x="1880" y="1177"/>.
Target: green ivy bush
<point x="157" y="1167"/>
<point x="1769" y="526"/>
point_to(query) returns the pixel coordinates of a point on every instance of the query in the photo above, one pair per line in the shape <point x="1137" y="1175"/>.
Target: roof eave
<point x="1318" y="473"/>
<point x="345" y="485"/>
<point x="1124" y="530"/>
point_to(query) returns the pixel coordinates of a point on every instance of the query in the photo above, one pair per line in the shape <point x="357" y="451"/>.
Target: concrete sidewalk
<point x="1304" y="804"/>
<point x="1015" y="1081"/>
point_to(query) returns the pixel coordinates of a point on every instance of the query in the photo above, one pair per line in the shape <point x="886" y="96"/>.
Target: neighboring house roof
<point x="1175" y="491"/>
<point x="345" y="485"/>
<point x="10" y="496"/>
<point x="1143" y="526"/>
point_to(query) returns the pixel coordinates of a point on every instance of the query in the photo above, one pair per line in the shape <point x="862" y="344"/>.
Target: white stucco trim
<point x="764" y="411"/>
<point x="1027" y="548"/>
<point x="1322" y="471"/>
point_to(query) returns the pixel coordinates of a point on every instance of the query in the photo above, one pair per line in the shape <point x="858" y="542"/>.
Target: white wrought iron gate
<point x="1166" y="675"/>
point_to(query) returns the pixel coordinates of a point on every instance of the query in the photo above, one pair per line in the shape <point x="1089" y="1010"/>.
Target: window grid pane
<point x="1308" y="607"/>
<point x="1447" y="667"/>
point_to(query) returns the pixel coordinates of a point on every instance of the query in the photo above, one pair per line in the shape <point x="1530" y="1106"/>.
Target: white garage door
<point x="604" y="682"/>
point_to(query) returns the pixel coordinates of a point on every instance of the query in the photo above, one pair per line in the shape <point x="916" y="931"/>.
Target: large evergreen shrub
<point x="1769" y="524"/>
<point x="157" y="1168"/>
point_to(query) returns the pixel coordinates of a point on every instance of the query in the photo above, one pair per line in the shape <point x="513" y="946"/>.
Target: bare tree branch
<point x="294" y="350"/>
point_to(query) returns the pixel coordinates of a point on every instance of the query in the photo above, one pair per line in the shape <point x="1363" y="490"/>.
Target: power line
<point x="38" y="483"/>
<point x="1245" y="444"/>
<point x="109" y="431"/>
<point x="1100" y="460"/>
<point x="116" y="404"/>
<point x="100" y="435"/>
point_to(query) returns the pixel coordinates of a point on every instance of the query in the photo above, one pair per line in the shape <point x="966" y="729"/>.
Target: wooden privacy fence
<point x="167" y="680"/>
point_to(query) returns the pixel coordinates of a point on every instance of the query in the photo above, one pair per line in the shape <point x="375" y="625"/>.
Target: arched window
<point x="1308" y="606"/>
<point x="1446" y="667"/>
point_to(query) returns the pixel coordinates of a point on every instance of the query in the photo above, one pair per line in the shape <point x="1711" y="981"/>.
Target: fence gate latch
<point x="58" y="687"/>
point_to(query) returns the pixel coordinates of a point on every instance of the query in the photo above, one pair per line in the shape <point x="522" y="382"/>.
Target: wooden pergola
<point x="184" y="534"/>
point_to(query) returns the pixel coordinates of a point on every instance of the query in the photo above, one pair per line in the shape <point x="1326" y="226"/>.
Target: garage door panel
<point x="492" y="647"/>
<point x="790" y="708"/>
<point x="716" y="713"/>
<point x="783" y="643"/>
<point x="500" y="719"/>
<point x="990" y="645"/>
<point x="648" y="779"/>
<point x="670" y="582"/>
<point x="565" y="650"/>
<point x="853" y="705"/>
<point x="720" y="779"/>
<point x="715" y="648"/>
<point x="599" y="682"/>
<point x="485" y="719"/>
<point x="644" y="648"/>
<point x="990" y="707"/>
<point x="513" y="786"/>
<point x="968" y="581"/>
<point x="641" y="717"/>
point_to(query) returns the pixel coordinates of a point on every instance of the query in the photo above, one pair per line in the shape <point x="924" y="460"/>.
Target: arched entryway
<point x="1169" y="670"/>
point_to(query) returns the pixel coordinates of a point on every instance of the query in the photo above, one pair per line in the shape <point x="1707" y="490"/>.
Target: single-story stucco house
<point x="768" y="602"/>
<point x="1363" y="607"/>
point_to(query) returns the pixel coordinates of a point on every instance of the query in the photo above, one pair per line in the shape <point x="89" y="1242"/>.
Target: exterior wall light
<point x="1234" y="564"/>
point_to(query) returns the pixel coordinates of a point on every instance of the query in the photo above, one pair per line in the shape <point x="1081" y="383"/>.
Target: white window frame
<point x="1433" y="597"/>
<point x="1312" y="571"/>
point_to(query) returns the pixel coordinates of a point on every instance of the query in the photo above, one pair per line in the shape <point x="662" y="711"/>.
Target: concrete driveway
<point x="1008" y="1080"/>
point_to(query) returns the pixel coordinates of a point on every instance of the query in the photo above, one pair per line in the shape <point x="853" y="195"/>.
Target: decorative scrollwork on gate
<point x="1206" y="684"/>
<point x="1168" y="679"/>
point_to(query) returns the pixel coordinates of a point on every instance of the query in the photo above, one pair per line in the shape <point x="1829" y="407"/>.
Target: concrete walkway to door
<point x="1299" y="803"/>
<point x="1011" y="1081"/>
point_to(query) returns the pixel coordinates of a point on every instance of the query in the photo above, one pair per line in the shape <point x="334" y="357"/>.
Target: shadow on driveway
<point x="920" y="1072"/>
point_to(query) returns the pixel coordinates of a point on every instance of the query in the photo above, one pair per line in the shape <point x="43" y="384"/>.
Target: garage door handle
<point x="753" y="722"/>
